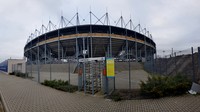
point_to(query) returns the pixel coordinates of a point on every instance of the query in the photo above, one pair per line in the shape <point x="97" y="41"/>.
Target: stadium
<point x="95" y="41"/>
<point x="99" y="40"/>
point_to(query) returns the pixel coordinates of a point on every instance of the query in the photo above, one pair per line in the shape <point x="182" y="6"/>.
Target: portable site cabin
<point x="13" y="65"/>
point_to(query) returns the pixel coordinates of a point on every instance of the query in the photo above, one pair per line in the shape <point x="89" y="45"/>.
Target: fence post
<point x="50" y="70"/>
<point x="129" y="69"/>
<point x="152" y="61"/>
<point x="175" y="62"/>
<point x="31" y="69"/>
<point x="160" y="64"/>
<point x="38" y="63"/>
<point x="26" y="73"/>
<point x="193" y="69"/>
<point x="166" y="63"/>
<point x="198" y="60"/>
<point x="156" y="65"/>
<point x="69" y="70"/>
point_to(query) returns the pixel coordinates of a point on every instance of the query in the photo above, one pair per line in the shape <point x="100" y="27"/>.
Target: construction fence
<point x="88" y="75"/>
<point x="127" y="74"/>
<point x="40" y="72"/>
<point x="183" y="62"/>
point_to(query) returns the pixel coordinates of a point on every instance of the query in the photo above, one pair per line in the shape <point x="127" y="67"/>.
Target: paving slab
<point x="24" y="95"/>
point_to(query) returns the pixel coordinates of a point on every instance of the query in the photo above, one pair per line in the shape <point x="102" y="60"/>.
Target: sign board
<point x="92" y="59"/>
<point x="110" y="67"/>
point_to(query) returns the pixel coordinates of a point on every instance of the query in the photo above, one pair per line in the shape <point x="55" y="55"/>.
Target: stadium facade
<point x="97" y="40"/>
<point x="88" y="46"/>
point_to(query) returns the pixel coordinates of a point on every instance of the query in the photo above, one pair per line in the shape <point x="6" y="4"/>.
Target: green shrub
<point x="67" y="88"/>
<point x="115" y="96"/>
<point x="60" y="85"/>
<point x="55" y="83"/>
<point x="160" y="86"/>
<point x="19" y="74"/>
<point x="12" y="73"/>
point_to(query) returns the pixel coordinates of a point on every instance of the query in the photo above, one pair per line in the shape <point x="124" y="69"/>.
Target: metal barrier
<point x="185" y="62"/>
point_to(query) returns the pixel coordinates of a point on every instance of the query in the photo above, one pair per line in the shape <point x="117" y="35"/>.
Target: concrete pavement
<point x="24" y="95"/>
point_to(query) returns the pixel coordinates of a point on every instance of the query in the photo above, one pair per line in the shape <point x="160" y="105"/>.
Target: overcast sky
<point x="172" y="23"/>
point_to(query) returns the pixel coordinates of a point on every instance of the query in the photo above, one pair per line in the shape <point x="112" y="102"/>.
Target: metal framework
<point x="70" y="38"/>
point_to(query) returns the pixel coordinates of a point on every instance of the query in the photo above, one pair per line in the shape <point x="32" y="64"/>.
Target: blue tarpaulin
<point x="4" y="66"/>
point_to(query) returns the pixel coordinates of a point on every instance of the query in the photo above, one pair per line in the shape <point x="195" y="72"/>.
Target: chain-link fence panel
<point x="182" y="62"/>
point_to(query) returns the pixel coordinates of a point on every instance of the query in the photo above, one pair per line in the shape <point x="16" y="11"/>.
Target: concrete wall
<point x="54" y="67"/>
<point x="124" y="66"/>
<point x="58" y="71"/>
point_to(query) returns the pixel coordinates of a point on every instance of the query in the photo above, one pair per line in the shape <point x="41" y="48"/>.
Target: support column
<point x="31" y="63"/>
<point x="45" y="50"/>
<point x="129" y="74"/>
<point x="110" y="53"/>
<point x="127" y="49"/>
<point x="77" y="49"/>
<point x="38" y="63"/>
<point x="110" y="38"/>
<point x="31" y="60"/>
<point x="50" y="65"/>
<point x="62" y="53"/>
<point x="145" y="49"/>
<point x="136" y="52"/>
<point x="91" y="48"/>
<point x="59" y="45"/>
<point x="88" y="49"/>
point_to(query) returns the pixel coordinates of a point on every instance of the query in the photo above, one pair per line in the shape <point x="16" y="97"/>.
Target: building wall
<point x="16" y="65"/>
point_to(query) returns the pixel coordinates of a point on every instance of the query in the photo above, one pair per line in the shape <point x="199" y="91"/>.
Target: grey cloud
<point x="173" y="23"/>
